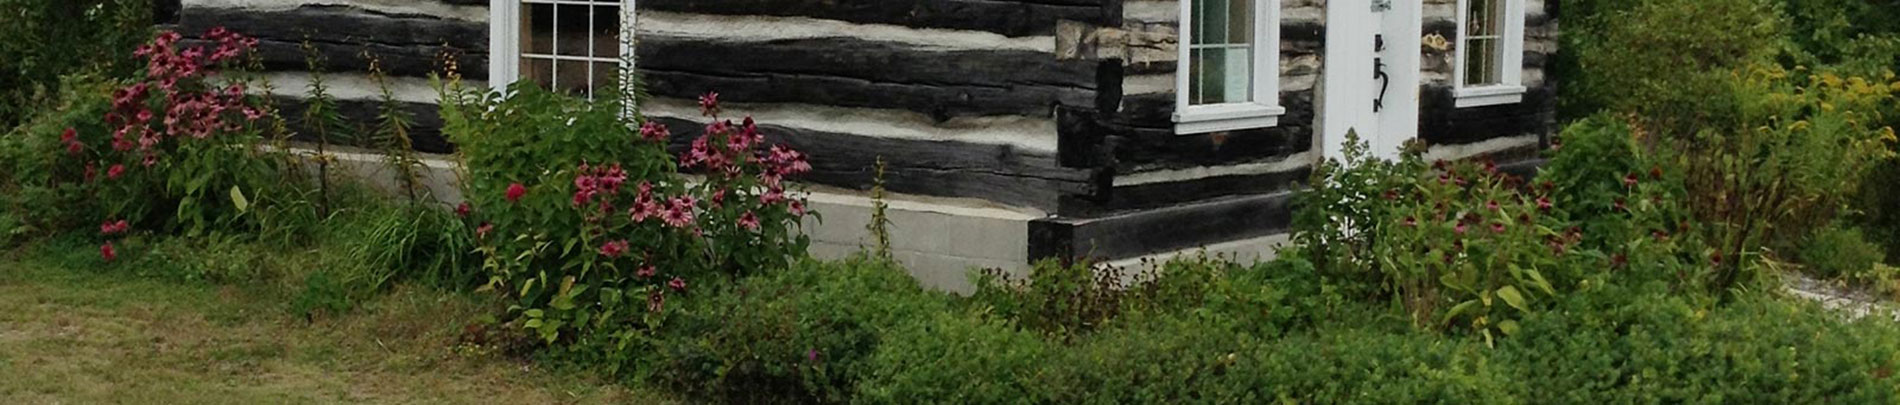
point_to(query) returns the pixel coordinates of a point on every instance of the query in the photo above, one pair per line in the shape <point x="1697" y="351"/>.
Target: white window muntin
<point x="517" y="53"/>
<point x="1197" y="109"/>
<point x="1489" y="65"/>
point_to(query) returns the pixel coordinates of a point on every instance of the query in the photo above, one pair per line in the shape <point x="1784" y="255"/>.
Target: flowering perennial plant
<point x="178" y="145"/>
<point x="591" y="226"/>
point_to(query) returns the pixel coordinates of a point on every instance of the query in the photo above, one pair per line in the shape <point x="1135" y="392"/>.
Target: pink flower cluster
<point x="592" y="183"/>
<point x="191" y="107"/>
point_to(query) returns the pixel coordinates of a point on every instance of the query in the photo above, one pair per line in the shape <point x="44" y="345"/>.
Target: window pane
<point x="540" y="71"/>
<point x="605" y="73"/>
<point x="1482" y="18"/>
<point x="571" y="77"/>
<point x="537" y="28"/>
<point x="1220" y="63"/>
<point x="607" y="32"/>
<point x="1240" y="21"/>
<point x="571" y="35"/>
<point x="1482" y="64"/>
<point x="1220" y="75"/>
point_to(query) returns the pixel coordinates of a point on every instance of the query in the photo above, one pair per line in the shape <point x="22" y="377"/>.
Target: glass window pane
<point x="537" y="32"/>
<point x="1214" y="24"/>
<point x="607" y="32"/>
<point x="1239" y="71"/>
<point x="540" y="71"/>
<point x="1240" y="22"/>
<point x="571" y="35"/>
<point x="605" y="74"/>
<point x="1482" y="63"/>
<point x="571" y="77"/>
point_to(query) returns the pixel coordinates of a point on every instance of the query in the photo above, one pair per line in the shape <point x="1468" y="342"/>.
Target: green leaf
<point x="1508" y="326"/>
<point x="237" y="199"/>
<point x="1511" y="296"/>
<point x="1459" y="309"/>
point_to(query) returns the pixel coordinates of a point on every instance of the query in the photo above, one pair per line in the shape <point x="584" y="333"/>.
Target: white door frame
<point x="1348" y="84"/>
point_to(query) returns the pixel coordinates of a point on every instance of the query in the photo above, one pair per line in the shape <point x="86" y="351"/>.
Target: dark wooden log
<point x="1143" y="136"/>
<point x="401" y="61"/>
<point x="997" y="173"/>
<point x="1442" y="123"/>
<point x="363" y="115"/>
<point x="1007" y="17"/>
<point x="343" y="25"/>
<point x="1160" y="230"/>
<point x="868" y="73"/>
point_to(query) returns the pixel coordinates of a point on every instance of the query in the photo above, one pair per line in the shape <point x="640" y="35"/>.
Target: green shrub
<point x="1643" y="345"/>
<point x="798" y="335"/>
<point x="50" y="39"/>
<point x="959" y="357"/>
<point x="1668" y="60"/>
<point x="1454" y="244"/>
<point x="1842" y="253"/>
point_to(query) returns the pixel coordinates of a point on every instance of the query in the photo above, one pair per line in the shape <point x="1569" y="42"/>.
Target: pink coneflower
<point x="614" y="249"/>
<point x="749" y="221"/>
<point x="1630" y="180"/>
<point x="113" y="228"/>
<point x="678" y="284"/>
<point x="462" y="210"/>
<point x="647" y="271"/>
<point x="482" y="231"/>
<point x="515" y="192"/>
<point x="115" y="171"/>
<point x="1492" y="205"/>
<point x="654" y="132"/>
<point x="1497" y="227"/>
<point x="678" y="213"/>
<point x="797" y="207"/>
<point x="656" y="301"/>
<point x="1543" y="203"/>
<point x="1619" y="205"/>
<point x="772" y="195"/>
<point x="1459" y="229"/>
<point x="106" y="251"/>
<point x="709" y="104"/>
<point x="1410" y="222"/>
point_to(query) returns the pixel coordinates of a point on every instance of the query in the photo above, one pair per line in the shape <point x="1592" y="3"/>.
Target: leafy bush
<point x="1453" y="243"/>
<point x="959" y="357"/>
<point x="1642" y="345"/>
<point x="1842" y="253"/>
<point x="802" y="334"/>
<point x="1668" y="60"/>
<point x="50" y="39"/>
<point x="586" y="223"/>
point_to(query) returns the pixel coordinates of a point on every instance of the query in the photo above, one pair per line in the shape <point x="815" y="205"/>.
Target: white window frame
<point x="504" y="38"/>
<point x="1263" y="108"/>
<point x="1510" y="89"/>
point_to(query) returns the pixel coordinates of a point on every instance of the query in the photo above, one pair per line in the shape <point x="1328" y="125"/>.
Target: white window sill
<point x="1203" y="119"/>
<point x="1488" y="96"/>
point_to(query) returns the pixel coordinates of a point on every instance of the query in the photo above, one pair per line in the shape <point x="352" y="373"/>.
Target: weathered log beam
<point x="425" y="131"/>
<point x="998" y="173"/>
<point x="1160" y="230"/>
<point x="342" y="24"/>
<point x="1006" y="17"/>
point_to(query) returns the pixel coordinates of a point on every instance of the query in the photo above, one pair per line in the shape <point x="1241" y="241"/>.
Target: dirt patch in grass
<point x="98" y="336"/>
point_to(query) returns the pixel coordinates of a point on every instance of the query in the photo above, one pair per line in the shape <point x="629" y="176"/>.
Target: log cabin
<point x="1014" y="130"/>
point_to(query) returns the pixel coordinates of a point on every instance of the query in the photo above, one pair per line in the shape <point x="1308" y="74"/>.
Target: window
<point x="573" y="46"/>
<point x="1490" y="52"/>
<point x="1229" y="70"/>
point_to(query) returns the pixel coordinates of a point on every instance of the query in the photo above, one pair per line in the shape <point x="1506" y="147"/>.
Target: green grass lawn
<point x="72" y="335"/>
